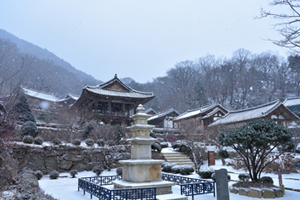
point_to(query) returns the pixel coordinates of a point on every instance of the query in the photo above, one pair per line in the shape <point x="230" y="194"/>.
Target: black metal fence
<point x="188" y="187"/>
<point x="94" y="186"/>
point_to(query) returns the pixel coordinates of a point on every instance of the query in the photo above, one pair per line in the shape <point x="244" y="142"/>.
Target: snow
<point x="65" y="187"/>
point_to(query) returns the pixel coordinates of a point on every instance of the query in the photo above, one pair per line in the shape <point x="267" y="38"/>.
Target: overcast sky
<point x="140" y="39"/>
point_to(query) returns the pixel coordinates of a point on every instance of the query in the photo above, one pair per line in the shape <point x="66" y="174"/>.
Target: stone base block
<point x="256" y="193"/>
<point x="162" y="187"/>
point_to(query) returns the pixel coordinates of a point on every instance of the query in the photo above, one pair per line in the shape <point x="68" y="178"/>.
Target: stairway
<point x="176" y="157"/>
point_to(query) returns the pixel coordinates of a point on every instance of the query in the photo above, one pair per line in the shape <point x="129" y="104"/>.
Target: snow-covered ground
<point x="65" y="188"/>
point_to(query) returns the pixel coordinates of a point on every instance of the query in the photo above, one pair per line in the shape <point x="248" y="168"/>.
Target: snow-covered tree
<point x="21" y="110"/>
<point x="255" y="141"/>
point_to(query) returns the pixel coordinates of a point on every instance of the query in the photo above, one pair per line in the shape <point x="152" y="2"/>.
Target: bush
<point x="120" y="171"/>
<point x="73" y="173"/>
<point x="266" y="180"/>
<point x="175" y="169"/>
<point x="38" y="140"/>
<point x="164" y="145"/>
<point x="183" y="146"/>
<point x="90" y="142"/>
<point x="152" y="134"/>
<point x="98" y="170"/>
<point x="87" y="130"/>
<point x="244" y="177"/>
<point x="28" y="139"/>
<point x="183" y="169"/>
<point x="206" y="173"/>
<point x="38" y="174"/>
<point x="76" y="142"/>
<point x="168" y="167"/>
<point x="54" y="174"/>
<point x="101" y="143"/>
<point x="21" y="110"/>
<point x="56" y="141"/>
<point x="213" y="177"/>
<point x="156" y="146"/>
<point x="223" y="154"/>
<point x="29" y="128"/>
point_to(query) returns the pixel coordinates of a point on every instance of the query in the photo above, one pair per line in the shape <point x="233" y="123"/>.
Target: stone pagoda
<point x="141" y="171"/>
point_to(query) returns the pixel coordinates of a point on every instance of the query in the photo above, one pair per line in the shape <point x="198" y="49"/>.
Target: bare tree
<point x="288" y="28"/>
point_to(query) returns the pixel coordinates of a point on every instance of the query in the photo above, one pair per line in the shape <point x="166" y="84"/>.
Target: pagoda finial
<point x="116" y="76"/>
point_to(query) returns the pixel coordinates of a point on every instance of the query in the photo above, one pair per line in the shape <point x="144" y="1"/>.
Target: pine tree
<point x="21" y="110"/>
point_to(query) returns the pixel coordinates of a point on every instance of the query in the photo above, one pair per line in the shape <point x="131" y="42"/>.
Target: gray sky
<point x="140" y="39"/>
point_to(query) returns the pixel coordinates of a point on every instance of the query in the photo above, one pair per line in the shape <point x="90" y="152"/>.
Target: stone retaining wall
<point x="268" y="193"/>
<point x="66" y="157"/>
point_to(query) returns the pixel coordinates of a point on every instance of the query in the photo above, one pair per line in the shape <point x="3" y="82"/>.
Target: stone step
<point x="171" y="197"/>
<point x="178" y="158"/>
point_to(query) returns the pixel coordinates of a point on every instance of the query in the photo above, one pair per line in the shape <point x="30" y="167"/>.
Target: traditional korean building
<point x="200" y="118"/>
<point x="111" y="102"/>
<point x="164" y="119"/>
<point x="293" y="104"/>
<point x="151" y="111"/>
<point x="274" y="110"/>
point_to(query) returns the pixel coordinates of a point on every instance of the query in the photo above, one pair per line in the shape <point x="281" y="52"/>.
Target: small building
<point x="274" y="110"/>
<point x="164" y="119"/>
<point x="293" y="104"/>
<point x="199" y="118"/>
<point x="111" y="102"/>
<point x="151" y="111"/>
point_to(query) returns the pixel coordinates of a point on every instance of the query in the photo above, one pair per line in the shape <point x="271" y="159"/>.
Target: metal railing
<point x="94" y="186"/>
<point x="191" y="186"/>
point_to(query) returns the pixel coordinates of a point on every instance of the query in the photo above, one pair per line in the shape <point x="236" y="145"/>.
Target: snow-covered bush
<point x="186" y="169"/>
<point x="38" y="140"/>
<point x="152" y="134"/>
<point x="156" y="146"/>
<point x="175" y="169"/>
<point x="76" y="142"/>
<point x="206" y="172"/>
<point x="164" y="144"/>
<point x="213" y="177"/>
<point x="28" y="139"/>
<point x="120" y="171"/>
<point x="183" y="146"/>
<point x="29" y="128"/>
<point x="56" y="141"/>
<point x="54" y="174"/>
<point x="90" y="142"/>
<point x="38" y="174"/>
<point x="73" y="173"/>
<point x="87" y="130"/>
<point x="101" y="143"/>
<point x="244" y="177"/>
<point x="168" y="167"/>
<point x="98" y="170"/>
<point x="266" y="180"/>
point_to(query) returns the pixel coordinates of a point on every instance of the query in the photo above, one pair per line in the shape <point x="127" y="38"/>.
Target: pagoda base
<point x="162" y="187"/>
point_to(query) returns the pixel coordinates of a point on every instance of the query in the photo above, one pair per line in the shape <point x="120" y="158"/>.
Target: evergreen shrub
<point x="156" y="146"/>
<point x="73" y="173"/>
<point x="266" y="180"/>
<point x="206" y="173"/>
<point x="186" y="169"/>
<point x="54" y="174"/>
<point x="38" y="140"/>
<point x="98" y="170"/>
<point x="101" y="143"/>
<point x="89" y="142"/>
<point x="56" y="141"/>
<point x="168" y="167"/>
<point x="29" y="128"/>
<point x="21" y="110"/>
<point x="223" y="154"/>
<point x="164" y="144"/>
<point x="244" y="177"/>
<point x="120" y="171"/>
<point x="38" y="174"/>
<point x="76" y="142"/>
<point x="28" y="139"/>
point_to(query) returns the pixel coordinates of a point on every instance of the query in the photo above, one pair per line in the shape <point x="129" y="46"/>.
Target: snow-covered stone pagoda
<point x="111" y="102"/>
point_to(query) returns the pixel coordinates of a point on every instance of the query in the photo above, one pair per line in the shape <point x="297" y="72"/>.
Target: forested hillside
<point x="244" y="80"/>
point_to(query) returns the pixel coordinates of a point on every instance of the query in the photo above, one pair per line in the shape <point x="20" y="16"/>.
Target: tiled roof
<point x="195" y="112"/>
<point x="163" y="114"/>
<point x="292" y="101"/>
<point x="248" y="114"/>
<point x="99" y="89"/>
<point x="39" y="95"/>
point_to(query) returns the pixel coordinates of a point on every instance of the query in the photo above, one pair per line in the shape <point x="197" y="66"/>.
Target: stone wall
<point x="268" y="193"/>
<point x="67" y="157"/>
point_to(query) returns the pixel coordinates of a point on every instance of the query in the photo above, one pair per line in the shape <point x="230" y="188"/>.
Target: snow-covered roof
<point x="197" y="111"/>
<point x="149" y="110"/>
<point x="69" y="96"/>
<point x="39" y="95"/>
<point x="213" y="112"/>
<point x="127" y="91"/>
<point x="248" y="114"/>
<point x="159" y="115"/>
<point x="292" y="102"/>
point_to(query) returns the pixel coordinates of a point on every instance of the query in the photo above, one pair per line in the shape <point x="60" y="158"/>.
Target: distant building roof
<point x="248" y="114"/>
<point x="115" y="87"/>
<point x="205" y="110"/>
<point x="39" y="95"/>
<point x="292" y="102"/>
<point x="148" y="111"/>
<point x="162" y="114"/>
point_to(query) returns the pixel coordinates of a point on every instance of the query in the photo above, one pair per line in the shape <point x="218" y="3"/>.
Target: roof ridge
<point x="41" y="92"/>
<point x="255" y="107"/>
